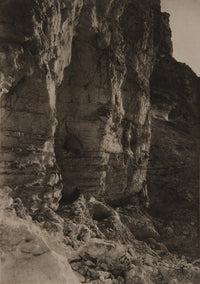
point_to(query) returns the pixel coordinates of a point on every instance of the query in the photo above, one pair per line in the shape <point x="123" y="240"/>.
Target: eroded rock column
<point x="103" y="133"/>
<point x="35" y="48"/>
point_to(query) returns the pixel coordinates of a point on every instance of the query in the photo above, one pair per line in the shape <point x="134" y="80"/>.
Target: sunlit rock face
<point x="80" y="82"/>
<point x="103" y="133"/>
<point x="36" y="42"/>
<point x="174" y="155"/>
<point x="96" y="110"/>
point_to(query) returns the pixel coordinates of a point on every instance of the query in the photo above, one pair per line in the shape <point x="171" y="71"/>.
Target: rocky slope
<point x="75" y="137"/>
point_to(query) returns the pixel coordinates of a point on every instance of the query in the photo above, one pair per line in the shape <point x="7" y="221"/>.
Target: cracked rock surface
<point x="98" y="145"/>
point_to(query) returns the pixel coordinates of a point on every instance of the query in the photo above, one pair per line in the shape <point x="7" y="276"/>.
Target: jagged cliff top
<point x="98" y="169"/>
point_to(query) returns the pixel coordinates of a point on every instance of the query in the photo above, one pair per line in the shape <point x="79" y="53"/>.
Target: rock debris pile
<point x="99" y="145"/>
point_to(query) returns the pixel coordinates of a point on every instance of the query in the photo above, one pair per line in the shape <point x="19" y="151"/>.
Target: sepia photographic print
<point x="99" y="141"/>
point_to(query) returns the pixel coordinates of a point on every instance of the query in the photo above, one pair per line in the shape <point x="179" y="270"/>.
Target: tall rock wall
<point x="36" y="43"/>
<point x="173" y="169"/>
<point x="103" y="134"/>
<point x="87" y="86"/>
<point x="87" y="124"/>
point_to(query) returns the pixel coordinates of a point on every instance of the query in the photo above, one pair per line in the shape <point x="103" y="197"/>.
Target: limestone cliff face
<point x="89" y="122"/>
<point x="174" y="155"/>
<point x="76" y="114"/>
<point x="103" y="133"/>
<point x="35" y="48"/>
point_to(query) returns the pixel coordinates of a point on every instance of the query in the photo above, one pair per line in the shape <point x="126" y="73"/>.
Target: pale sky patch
<point x="185" y="26"/>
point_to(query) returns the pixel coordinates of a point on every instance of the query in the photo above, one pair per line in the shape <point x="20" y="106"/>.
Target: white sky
<point x="185" y="26"/>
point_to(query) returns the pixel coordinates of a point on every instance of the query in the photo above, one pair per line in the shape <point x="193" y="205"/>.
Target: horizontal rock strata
<point x="84" y="84"/>
<point x="173" y="169"/>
